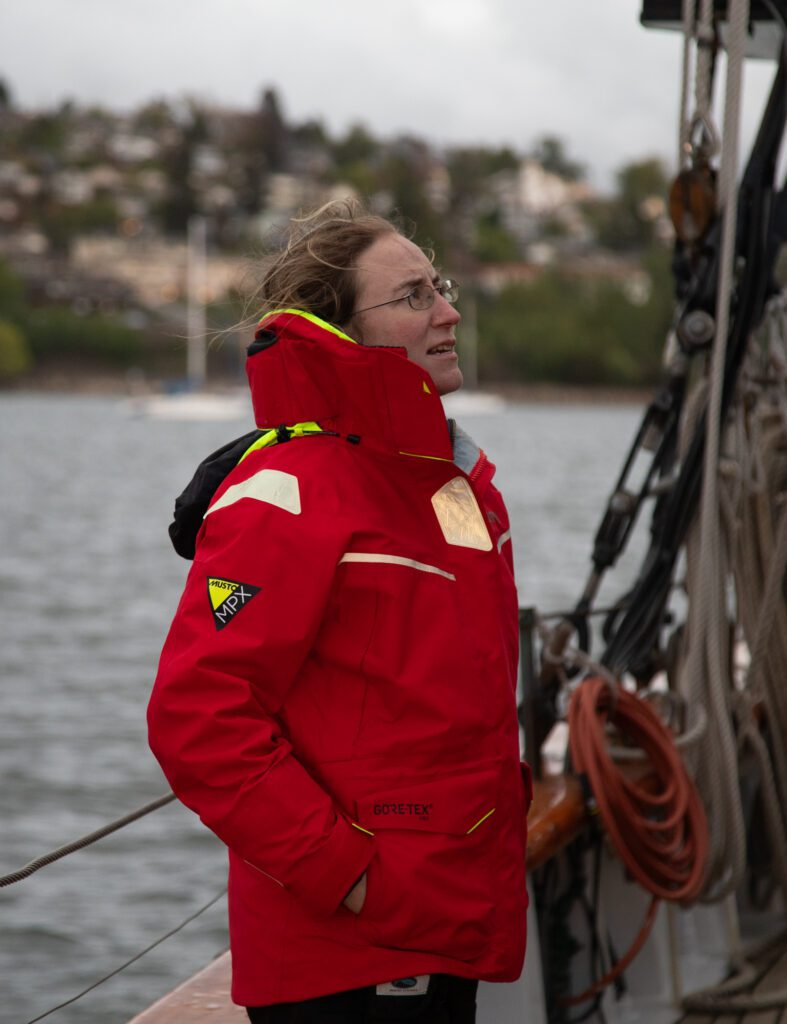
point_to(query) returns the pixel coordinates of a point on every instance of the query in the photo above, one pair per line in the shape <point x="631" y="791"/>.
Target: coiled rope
<point x="754" y="489"/>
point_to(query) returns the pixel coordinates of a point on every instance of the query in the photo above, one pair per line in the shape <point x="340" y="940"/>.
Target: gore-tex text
<point x="416" y="810"/>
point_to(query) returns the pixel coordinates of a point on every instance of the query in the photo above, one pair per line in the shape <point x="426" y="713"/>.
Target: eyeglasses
<point x="422" y="296"/>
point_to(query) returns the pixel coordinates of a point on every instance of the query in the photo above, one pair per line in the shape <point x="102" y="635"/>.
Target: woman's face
<point x="386" y="272"/>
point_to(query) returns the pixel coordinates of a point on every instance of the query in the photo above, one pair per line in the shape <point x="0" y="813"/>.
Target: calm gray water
<point x="88" y="584"/>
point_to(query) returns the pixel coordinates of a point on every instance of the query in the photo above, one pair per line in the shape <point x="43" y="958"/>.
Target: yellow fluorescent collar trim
<point x="272" y="436"/>
<point x="481" y="821"/>
<point x="261" y="442"/>
<point x="269" y="485"/>
<point x="426" y="387"/>
<point x="360" y="829"/>
<point x="314" y="319"/>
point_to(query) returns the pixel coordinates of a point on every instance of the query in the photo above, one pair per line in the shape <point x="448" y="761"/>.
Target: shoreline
<point x="121" y="386"/>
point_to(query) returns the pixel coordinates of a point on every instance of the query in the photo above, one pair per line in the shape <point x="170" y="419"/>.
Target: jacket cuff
<point x="323" y="879"/>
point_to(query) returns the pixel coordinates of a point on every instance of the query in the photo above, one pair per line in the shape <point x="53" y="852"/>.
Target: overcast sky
<point x="464" y="71"/>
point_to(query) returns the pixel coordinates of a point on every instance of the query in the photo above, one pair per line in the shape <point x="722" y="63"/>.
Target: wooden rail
<point x="557" y="815"/>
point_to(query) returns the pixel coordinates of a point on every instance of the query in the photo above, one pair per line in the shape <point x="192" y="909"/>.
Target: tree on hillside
<point x="470" y="170"/>
<point x="357" y="157"/>
<point x="15" y="355"/>
<point x="562" y="330"/>
<point x="494" y="243"/>
<point x="12" y="295"/>
<point x="403" y="173"/>
<point x="626" y="222"/>
<point x="181" y="201"/>
<point x="550" y="152"/>
<point x="358" y="144"/>
<point x="274" y="134"/>
<point x="154" y="117"/>
<point x="45" y="134"/>
<point x="261" y="148"/>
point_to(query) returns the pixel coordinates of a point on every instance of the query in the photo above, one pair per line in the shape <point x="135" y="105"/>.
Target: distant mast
<point x="196" y="270"/>
<point x="468" y="341"/>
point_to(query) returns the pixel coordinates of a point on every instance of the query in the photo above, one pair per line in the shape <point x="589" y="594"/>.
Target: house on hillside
<point x="530" y="197"/>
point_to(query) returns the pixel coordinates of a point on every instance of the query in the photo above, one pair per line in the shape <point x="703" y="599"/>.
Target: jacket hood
<point x="302" y="368"/>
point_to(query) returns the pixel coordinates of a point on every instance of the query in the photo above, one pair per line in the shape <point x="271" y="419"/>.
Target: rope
<point x="757" y="523"/>
<point x="702" y="83"/>
<point x="88" y="840"/>
<point x="726" y="998"/>
<point x="698" y="138"/>
<point x="707" y="674"/>
<point x="753" y="485"/>
<point x="137" y="956"/>
<point x="684" y="140"/>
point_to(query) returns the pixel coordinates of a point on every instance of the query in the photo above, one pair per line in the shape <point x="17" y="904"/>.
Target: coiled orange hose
<point x="657" y="824"/>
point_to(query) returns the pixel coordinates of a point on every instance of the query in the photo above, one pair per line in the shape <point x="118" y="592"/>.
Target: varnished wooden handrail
<point x="557" y="815"/>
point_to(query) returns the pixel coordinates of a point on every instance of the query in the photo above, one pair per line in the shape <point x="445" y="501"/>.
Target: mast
<point x="196" y="283"/>
<point x="468" y="341"/>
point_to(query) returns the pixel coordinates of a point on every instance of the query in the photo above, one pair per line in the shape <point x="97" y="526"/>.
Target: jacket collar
<point x="303" y="368"/>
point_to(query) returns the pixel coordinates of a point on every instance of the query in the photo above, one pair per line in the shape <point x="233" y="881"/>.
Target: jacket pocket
<point x="431" y="885"/>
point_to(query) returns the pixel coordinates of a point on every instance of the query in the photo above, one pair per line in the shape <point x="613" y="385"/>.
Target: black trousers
<point x="447" y="1000"/>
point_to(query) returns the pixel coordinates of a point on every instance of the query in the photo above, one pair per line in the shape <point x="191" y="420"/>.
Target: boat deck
<point x="556" y="817"/>
<point x="205" y="997"/>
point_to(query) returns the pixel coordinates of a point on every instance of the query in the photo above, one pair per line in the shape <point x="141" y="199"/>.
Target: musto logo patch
<point x="227" y="597"/>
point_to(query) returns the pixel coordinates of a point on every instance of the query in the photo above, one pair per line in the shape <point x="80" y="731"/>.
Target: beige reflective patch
<point x="375" y="558"/>
<point x="269" y="485"/>
<point x="460" y="517"/>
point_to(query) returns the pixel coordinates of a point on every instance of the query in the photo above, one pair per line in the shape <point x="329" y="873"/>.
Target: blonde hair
<point x="315" y="269"/>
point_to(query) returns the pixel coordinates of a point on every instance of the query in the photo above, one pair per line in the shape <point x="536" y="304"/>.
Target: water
<point x="88" y="585"/>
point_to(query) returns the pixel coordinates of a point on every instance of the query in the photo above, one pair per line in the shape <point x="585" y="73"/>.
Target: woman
<point x="336" y="696"/>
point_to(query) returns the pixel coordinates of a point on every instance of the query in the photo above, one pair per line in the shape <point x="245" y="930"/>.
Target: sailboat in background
<point x="470" y="401"/>
<point x="194" y="401"/>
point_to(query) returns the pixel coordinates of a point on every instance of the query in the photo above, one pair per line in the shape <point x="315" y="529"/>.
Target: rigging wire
<point x="133" y="959"/>
<point x="758" y="243"/>
<point x="87" y="840"/>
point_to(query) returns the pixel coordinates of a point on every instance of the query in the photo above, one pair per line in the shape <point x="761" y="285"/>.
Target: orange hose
<point x="659" y="831"/>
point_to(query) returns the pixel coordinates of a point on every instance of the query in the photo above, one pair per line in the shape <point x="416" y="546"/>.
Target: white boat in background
<point x="202" y="406"/>
<point x="470" y="401"/>
<point x="473" y="403"/>
<point x="194" y="402"/>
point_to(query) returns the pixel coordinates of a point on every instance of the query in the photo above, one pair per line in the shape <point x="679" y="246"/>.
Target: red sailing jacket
<point x="337" y="690"/>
